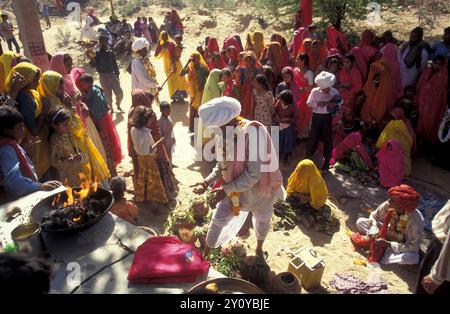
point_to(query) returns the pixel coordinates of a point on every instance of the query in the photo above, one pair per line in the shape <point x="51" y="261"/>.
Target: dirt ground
<point x="351" y="197"/>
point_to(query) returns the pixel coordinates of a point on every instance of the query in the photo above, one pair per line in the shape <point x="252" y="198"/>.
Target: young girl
<point x="64" y="155"/>
<point x="228" y="85"/>
<point x="286" y="115"/>
<point x="149" y="186"/>
<point x="263" y="101"/>
<point x="123" y="208"/>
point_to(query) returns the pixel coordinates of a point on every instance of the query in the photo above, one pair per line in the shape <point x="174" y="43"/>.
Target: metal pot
<point x="28" y="239"/>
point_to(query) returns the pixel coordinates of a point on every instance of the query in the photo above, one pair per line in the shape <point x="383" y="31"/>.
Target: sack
<point x="167" y="260"/>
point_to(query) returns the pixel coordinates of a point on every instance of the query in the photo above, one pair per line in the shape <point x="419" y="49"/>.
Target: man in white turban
<point x="143" y="75"/>
<point x="324" y="101"/>
<point x="241" y="184"/>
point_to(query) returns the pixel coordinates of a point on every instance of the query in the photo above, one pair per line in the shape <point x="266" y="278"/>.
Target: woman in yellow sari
<point x="256" y="43"/>
<point x="398" y="130"/>
<point x="307" y="182"/>
<point x="34" y="112"/>
<point x="197" y="72"/>
<point x="7" y="61"/>
<point x="51" y="88"/>
<point x="166" y="51"/>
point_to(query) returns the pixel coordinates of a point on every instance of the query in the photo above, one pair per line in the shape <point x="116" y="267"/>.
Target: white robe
<point x="140" y="78"/>
<point x="88" y="32"/>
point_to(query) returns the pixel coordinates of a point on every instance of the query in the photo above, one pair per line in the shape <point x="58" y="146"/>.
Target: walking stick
<point x="164" y="83"/>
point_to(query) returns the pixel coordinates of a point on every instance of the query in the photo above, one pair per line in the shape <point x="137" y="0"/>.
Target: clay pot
<point x="286" y="283"/>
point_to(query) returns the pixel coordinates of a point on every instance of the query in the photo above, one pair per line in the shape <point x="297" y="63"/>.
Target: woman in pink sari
<point x="391" y="164"/>
<point x="432" y="98"/>
<point x="62" y="63"/>
<point x="350" y="80"/>
<point x="360" y="62"/>
<point x="389" y="52"/>
<point x="352" y="141"/>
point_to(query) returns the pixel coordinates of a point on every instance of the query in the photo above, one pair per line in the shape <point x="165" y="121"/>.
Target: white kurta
<point x="140" y="78"/>
<point x="411" y="76"/>
<point x="88" y="32"/>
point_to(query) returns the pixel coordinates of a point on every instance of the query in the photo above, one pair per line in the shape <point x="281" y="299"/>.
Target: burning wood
<point x="80" y="207"/>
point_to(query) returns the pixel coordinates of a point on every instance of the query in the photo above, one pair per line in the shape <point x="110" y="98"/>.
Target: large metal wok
<point x="43" y="207"/>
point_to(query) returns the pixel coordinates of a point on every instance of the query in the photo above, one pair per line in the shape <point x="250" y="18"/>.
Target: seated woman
<point x="393" y="231"/>
<point x="17" y="174"/>
<point x="398" y="130"/>
<point x="308" y="193"/>
<point x="391" y="164"/>
<point x="351" y="156"/>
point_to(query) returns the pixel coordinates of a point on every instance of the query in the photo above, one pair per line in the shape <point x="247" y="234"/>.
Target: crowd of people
<point x="366" y="108"/>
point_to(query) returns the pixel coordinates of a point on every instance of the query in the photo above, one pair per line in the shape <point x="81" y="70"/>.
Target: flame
<point x="95" y="185"/>
<point x="70" y="198"/>
<point x="78" y="196"/>
<point x="76" y="219"/>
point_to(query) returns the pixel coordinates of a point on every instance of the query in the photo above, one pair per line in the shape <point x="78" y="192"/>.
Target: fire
<point x="73" y="196"/>
<point x="76" y="219"/>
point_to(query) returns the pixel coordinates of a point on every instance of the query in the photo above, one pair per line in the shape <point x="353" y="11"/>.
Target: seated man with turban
<point x="393" y="231"/>
<point x="247" y="180"/>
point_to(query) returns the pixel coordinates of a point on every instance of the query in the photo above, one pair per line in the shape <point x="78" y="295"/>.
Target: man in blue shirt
<point x="17" y="174"/>
<point x="443" y="47"/>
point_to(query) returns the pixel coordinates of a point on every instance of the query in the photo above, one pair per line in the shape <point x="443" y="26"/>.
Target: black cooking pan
<point x="43" y="207"/>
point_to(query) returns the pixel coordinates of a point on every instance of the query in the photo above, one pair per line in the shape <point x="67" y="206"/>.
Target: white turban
<point x="219" y="111"/>
<point x="325" y="79"/>
<point x="139" y="44"/>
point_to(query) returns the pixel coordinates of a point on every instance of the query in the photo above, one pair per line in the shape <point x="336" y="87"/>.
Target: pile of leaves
<point x="179" y="218"/>
<point x="228" y="259"/>
<point x="286" y="213"/>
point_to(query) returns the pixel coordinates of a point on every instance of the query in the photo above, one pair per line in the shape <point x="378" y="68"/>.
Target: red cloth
<point x="352" y="141"/>
<point x="163" y="260"/>
<point x="305" y="113"/>
<point x="399" y="114"/>
<point x="299" y="36"/>
<point x="431" y="99"/>
<point x="107" y="126"/>
<point x="307" y="12"/>
<point x="391" y="164"/>
<point x="353" y="77"/>
<point x="76" y="74"/>
<point x="368" y="51"/>
<point x="337" y="40"/>
<point x="25" y="164"/>
<point x="57" y="65"/>
<point x="231" y="41"/>
<point x="390" y="55"/>
<point x="360" y="61"/>
<point x="213" y="46"/>
<point x="405" y="196"/>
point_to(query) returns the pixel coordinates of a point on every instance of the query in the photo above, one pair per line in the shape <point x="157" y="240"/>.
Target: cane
<point x="164" y="83"/>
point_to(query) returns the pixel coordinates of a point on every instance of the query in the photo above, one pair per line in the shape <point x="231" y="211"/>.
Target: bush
<point x="174" y="3"/>
<point x="133" y="6"/>
<point x="63" y="37"/>
<point x="214" y="4"/>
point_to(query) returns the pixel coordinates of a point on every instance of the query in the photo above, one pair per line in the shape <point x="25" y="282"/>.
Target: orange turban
<point x="405" y="196"/>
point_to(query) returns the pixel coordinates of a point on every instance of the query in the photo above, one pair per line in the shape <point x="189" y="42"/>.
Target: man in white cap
<point x="143" y="75"/>
<point x="323" y="100"/>
<point x="240" y="186"/>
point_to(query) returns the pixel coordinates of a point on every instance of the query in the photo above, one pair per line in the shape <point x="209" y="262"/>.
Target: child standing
<point x="96" y="101"/>
<point x="263" y="102"/>
<point x="228" y="85"/>
<point x="123" y="208"/>
<point x="64" y="155"/>
<point x="286" y="114"/>
<point x="166" y="128"/>
<point x="148" y="183"/>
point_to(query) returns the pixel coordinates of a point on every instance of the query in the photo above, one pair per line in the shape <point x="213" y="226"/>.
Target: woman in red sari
<point x="317" y="56"/>
<point x="360" y="62"/>
<point x="251" y="68"/>
<point x="216" y="62"/>
<point x="211" y="48"/>
<point x="350" y="80"/>
<point x="389" y="52"/>
<point x="337" y="40"/>
<point x="366" y="45"/>
<point x="432" y="90"/>
<point x="284" y="56"/>
<point x="233" y="57"/>
<point x="378" y="91"/>
<point x="305" y="81"/>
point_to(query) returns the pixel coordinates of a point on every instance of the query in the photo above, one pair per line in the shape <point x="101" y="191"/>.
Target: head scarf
<point x="303" y="48"/>
<point x="76" y="74"/>
<point x="26" y="69"/>
<point x="405" y="196"/>
<point x="367" y="38"/>
<point x="352" y="141"/>
<point x="391" y="166"/>
<point x="212" y="89"/>
<point x="7" y="61"/>
<point x="140" y="44"/>
<point x="234" y="53"/>
<point x="257" y="42"/>
<point x="325" y="79"/>
<point x="213" y="46"/>
<point x="219" y="111"/>
<point x="48" y="85"/>
<point x="306" y="178"/>
<point x="57" y="65"/>
<point x="334" y="36"/>
<point x="390" y="54"/>
<point x="252" y="55"/>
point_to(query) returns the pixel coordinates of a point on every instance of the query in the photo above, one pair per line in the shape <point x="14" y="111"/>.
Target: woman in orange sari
<point x="317" y="55"/>
<point x="432" y="90"/>
<point x="378" y="90"/>
<point x="284" y="55"/>
<point x="305" y="81"/>
<point x="350" y="80"/>
<point x="272" y="56"/>
<point x="251" y="67"/>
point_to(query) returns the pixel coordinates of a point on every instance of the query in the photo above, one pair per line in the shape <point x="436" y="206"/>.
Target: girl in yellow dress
<point x="93" y="166"/>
